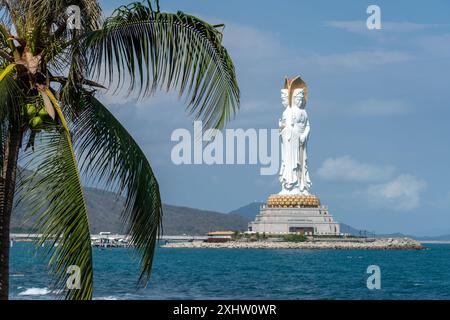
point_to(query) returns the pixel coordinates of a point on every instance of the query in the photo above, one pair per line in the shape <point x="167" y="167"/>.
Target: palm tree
<point x="52" y="122"/>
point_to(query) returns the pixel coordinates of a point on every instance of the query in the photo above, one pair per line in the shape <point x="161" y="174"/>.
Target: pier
<point x="106" y="239"/>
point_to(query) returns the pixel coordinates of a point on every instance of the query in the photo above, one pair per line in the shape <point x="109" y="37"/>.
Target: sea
<point x="249" y="274"/>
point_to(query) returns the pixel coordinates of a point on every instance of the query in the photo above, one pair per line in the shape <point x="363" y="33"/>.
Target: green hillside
<point x="104" y="213"/>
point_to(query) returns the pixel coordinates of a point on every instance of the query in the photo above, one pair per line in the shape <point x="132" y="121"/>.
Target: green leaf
<point x="6" y="71"/>
<point x="109" y="154"/>
<point x="57" y="196"/>
<point x="10" y="105"/>
<point x="150" y="49"/>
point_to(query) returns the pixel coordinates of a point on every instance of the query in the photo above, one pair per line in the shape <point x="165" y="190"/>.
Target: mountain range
<point x="104" y="215"/>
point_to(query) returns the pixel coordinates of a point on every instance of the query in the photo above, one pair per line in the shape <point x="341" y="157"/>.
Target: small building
<point x="105" y="239"/>
<point x="220" y="236"/>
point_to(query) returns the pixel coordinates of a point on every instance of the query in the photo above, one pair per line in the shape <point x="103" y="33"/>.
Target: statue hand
<point x="281" y="125"/>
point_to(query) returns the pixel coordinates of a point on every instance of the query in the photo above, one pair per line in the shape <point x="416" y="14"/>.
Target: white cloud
<point x="399" y="193"/>
<point x="402" y="193"/>
<point x="375" y="107"/>
<point x="249" y="43"/>
<point x="108" y="98"/>
<point x="371" y="107"/>
<point x="437" y="45"/>
<point x="263" y="182"/>
<point x="161" y="99"/>
<point x="359" y="26"/>
<point x="362" y="59"/>
<point x="348" y="169"/>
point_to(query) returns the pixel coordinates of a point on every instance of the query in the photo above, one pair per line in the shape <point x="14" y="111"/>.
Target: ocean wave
<point x="38" y="292"/>
<point x="107" y="298"/>
<point x="35" y="292"/>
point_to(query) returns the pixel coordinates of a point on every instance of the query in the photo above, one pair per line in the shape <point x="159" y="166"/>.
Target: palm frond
<point x="110" y="154"/>
<point x="6" y="45"/>
<point x="6" y="71"/>
<point x="150" y="50"/>
<point x="56" y="194"/>
<point x="10" y="104"/>
<point x="90" y="10"/>
<point x="55" y="11"/>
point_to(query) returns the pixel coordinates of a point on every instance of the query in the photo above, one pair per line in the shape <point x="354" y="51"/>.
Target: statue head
<point x="285" y="97"/>
<point x="298" y="97"/>
<point x="294" y="84"/>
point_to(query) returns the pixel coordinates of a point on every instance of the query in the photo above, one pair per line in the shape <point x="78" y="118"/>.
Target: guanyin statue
<point x="294" y="209"/>
<point x="294" y="132"/>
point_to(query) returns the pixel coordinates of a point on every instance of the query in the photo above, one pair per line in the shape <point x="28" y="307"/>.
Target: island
<point x="344" y="244"/>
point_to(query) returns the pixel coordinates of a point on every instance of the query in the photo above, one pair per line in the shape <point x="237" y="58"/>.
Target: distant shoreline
<point x="435" y="241"/>
<point x="184" y="241"/>
<point x="378" y="244"/>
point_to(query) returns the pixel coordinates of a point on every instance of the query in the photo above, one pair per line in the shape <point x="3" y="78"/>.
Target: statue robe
<point x="294" y="176"/>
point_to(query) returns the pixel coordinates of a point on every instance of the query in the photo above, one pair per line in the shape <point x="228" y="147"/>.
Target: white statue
<point x="294" y="132"/>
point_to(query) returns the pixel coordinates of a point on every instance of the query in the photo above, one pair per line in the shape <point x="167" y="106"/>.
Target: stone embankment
<point x="378" y="244"/>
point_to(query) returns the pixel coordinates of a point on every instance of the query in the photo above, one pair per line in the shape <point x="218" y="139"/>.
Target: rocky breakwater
<point x="378" y="244"/>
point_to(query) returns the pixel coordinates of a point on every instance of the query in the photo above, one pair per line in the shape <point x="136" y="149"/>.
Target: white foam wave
<point x="35" y="292"/>
<point x="107" y="298"/>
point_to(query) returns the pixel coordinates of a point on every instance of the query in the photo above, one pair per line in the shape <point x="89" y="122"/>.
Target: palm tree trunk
<point x="7" y="188"/>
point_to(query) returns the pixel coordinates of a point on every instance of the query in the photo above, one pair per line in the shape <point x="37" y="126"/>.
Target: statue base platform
<point x="293" y="201"/>
<point x="301" y="214"/>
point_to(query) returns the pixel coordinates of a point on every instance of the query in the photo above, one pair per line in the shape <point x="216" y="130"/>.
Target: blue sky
<point x="378" y="107"/>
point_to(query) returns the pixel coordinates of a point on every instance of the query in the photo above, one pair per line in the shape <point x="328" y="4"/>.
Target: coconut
<point x="42" y="113"/>
<point x="31" y="110"/>
<point x="36" y="122"/>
